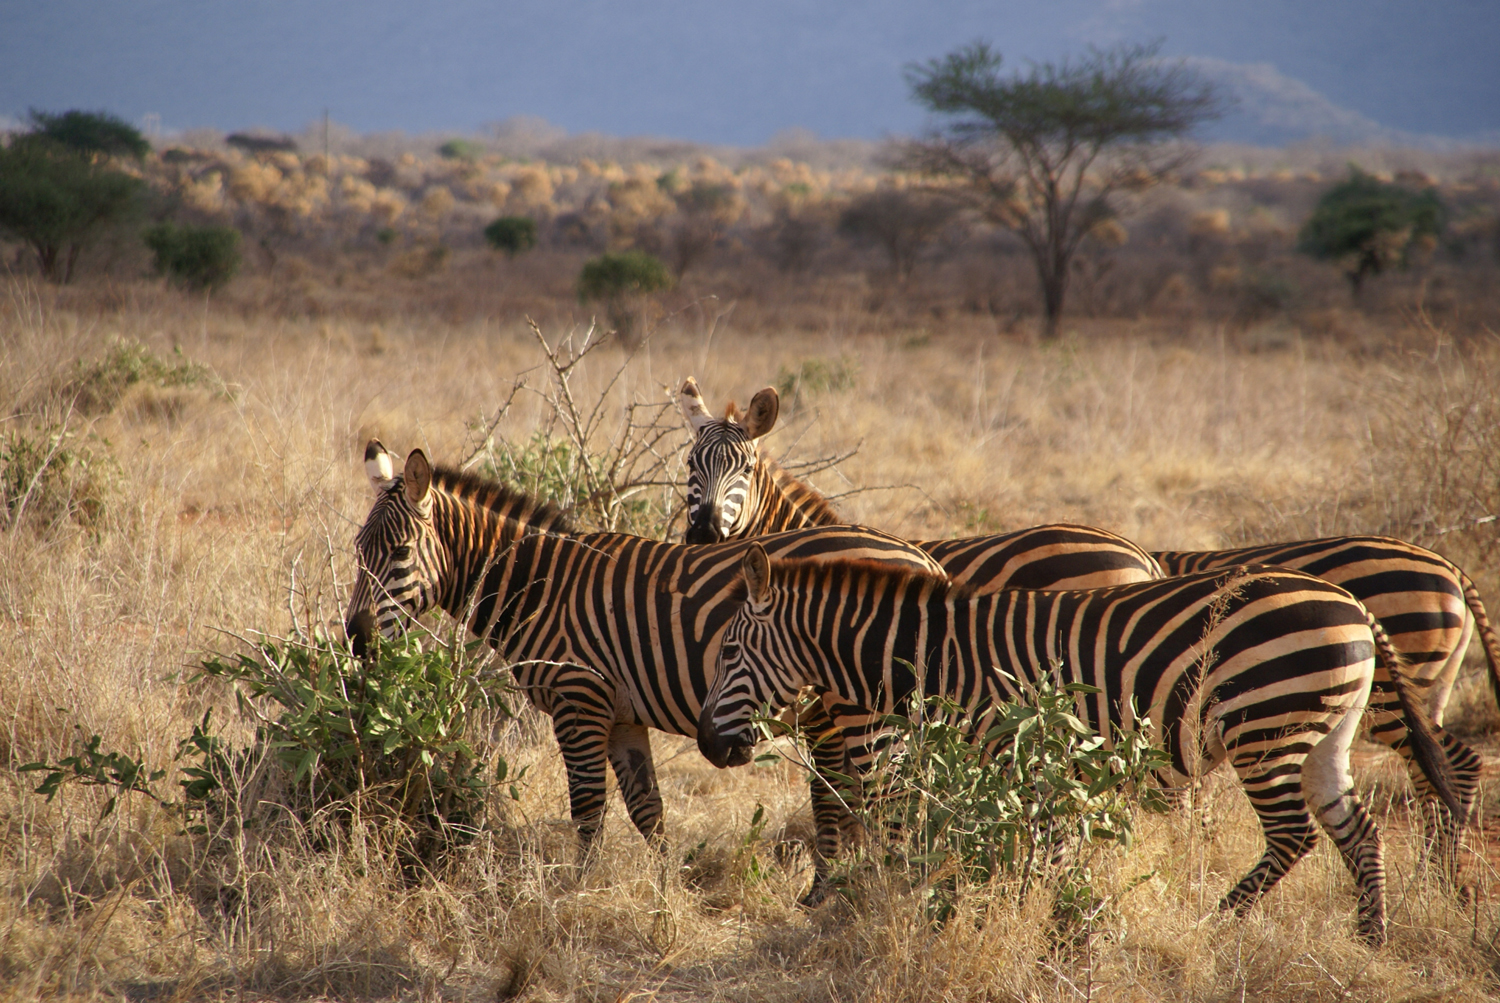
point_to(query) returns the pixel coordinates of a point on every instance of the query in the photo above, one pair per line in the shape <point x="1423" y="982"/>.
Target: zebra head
<point x="722" y="464"/>
<point x="756" y="669"/>
<point x="399" y="557"/>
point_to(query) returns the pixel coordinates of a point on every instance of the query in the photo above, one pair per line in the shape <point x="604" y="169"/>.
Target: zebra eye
<point x="731" y="650"/>
<point x="400" y="553"/>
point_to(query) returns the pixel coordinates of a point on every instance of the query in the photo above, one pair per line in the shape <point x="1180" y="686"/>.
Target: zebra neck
<point x="478" y="542"/>
<point x="936" y="644"/>
<point x="788" y="503"/>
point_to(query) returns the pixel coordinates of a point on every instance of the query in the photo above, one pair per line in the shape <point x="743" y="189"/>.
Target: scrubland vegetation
<point x="181" y="469"/>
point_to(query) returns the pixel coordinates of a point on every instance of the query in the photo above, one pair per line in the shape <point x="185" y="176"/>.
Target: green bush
<point x="512" y="234"/>
<point x="97" y="387"/>
<point x="380" y="738"/>
<point x="1032" y="798"/>
<point x="815" y="376"/>
<point x="1368" y="225"/>
<point x="549" y="467"/>
<point x="460" y="149"/>
<point x="612" y="276"/>
<point x="623" y="282"/>
<point x="387" y="731"/>
<point x="91" y="132"/>
<point x="196" y="257"/>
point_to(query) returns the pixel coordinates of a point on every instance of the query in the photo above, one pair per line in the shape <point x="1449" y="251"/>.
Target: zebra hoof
<point x="817" y="894"/>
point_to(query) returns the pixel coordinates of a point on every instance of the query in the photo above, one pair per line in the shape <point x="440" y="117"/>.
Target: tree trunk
<point x="46" y="258"/>
<point x="1054" y="280"/>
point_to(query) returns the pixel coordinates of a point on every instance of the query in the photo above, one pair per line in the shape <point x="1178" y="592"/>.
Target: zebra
<point x="609" y="634"/>
<point x="1427" y="605"/>
<point x="1267" y="668"/>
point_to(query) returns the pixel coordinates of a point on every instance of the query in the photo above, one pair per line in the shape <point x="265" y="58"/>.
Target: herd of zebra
<point x="1268" y="657"/>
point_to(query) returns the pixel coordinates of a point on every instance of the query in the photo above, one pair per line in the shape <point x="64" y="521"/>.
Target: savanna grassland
<point x="191" y="471"/>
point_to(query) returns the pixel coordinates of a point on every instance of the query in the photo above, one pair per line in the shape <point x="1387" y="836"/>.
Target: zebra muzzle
<point x="720" y="749"/>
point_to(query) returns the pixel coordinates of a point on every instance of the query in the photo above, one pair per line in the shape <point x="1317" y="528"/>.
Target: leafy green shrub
<point x="196" y="257"/>
<point x="552" y="468"/>
<point x="49" y="475"/>
<point x="97" y="387"/>
<point x="380" y="738"/>
<point x="255" y="144"/>
<point x="1033" y="798"/>
<point x="512" y="234"/>
<point x="91" y="132"/>
<point x="1368" y="225"/>
<point x="611" y="276"/>
<point x="460" y="149"/>
<point x="383" y="736"/>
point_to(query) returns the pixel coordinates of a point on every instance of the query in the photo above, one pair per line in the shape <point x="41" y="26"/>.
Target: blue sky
<point x="717" y="72"/>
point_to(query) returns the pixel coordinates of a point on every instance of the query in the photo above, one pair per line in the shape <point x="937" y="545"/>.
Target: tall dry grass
<point x="229" y="504"/>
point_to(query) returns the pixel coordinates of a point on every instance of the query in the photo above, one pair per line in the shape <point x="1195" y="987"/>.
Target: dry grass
<point x="235" y="511"/>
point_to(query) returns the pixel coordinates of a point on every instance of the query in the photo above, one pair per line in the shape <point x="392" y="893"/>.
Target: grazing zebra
<point x="610" y="634"/>
<point x="1428" y="607"/>
<point x="1266" y="668"/>
<point x="736" y="492"/>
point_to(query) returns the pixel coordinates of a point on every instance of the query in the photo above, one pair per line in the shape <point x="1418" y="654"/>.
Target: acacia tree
<point x="1368" y="225"/>
<point x="57" y="198"/>
<point x="1048" y="153"/>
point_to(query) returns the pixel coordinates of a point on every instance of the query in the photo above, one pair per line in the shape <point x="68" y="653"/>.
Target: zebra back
<point x="1427" y="604"/>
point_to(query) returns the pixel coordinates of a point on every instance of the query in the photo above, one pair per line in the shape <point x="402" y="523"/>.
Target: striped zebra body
<point x="609" y="634"/>
<point x="1428" y="607"/>
<point x="1266" y="668"/>
<point x="736" y="492"/>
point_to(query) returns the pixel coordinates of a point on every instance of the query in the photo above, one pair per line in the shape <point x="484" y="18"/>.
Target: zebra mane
<point x="501" y="499"/>
<point x="832" y="574"/>
<point x="808" y="498"/>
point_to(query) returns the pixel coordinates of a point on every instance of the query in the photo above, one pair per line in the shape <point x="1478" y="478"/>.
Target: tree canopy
<point x="1046" y="152"/>
<point x="1368" y="225"/>
<point x="512" y="234"/>
<point x="56" y="198"/>
<point x="91" y="132"/>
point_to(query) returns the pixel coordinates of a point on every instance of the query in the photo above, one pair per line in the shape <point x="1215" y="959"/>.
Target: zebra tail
<point x="1426" y="746"/>
<point x="1487" y="636"/>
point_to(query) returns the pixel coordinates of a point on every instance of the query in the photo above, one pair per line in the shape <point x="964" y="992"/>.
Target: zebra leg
<point x="584" y="741"/>
<point x="630" y="755"/>
<point x="834" y="824"/>
<point x="1329" y="788"/>
<point x="582" y="704"/>
<point x="1275" y="789"/>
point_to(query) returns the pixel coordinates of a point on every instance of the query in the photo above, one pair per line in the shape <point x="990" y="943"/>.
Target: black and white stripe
<point x="610" y="634"/>
<point x="1266" y="668"/>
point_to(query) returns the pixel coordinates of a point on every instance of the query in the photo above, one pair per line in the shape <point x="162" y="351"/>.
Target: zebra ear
<point x="756" y="567"/>
<point x="690" y="400"/>
<point x="764" y="407"/>
<point x="418" y="476"/>
<point x="378" y="466"/>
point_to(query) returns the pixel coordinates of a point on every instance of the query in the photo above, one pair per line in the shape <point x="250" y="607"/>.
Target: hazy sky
<point x="708" y="71"/>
